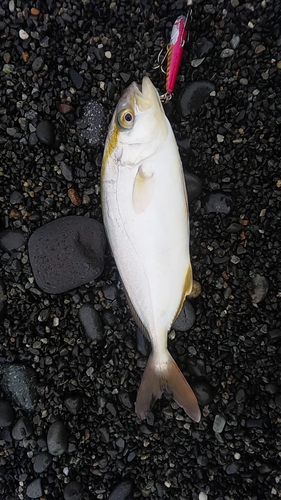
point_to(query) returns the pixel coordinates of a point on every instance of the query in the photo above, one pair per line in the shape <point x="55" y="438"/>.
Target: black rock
<point x="122" y="491"/>
<point x="57" y="438"/>
<point x="42" y="462"/>
<point x="125" y="77"/>
<point x="204" y="47"/>
<point x="76" y="78"/>
<point x="34" y="489"/>
<point x="33" y="139"/>
<point x="16" y="198"/>
<point x="203" y="391"/>
<point x="194" y="95"/>
<point x="110" y="292"/>
<point x="93" y="124"/>
<point x="67" y="253"/>
<point x="7" y="413"/>
<point x="19" y="383"/>
<point x="37" y="64"/>
<point x="22" y="429"/>
<point x="232" y="468"/>
<point x="3" y="299"/>
<point x="274" y="335"/>
<point x="11" y="239"/>
<point x="186" y="318"/>
<point x="142" y="342"/>
<point x="196" y="367"/>
<point x="218" y="203"/>
<point x="73" y="491"/>
<point x="193" y="186"/>
<point x="45" y="132"/>
<point x="73" y="403"/>
<point x="91" y="321"/>
<point x="66" y="171"/>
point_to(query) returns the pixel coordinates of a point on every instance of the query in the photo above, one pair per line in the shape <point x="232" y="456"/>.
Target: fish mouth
<point x="146" y="96"/>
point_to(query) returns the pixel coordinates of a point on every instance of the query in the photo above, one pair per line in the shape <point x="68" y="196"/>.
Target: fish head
<point x="139" y="126"/>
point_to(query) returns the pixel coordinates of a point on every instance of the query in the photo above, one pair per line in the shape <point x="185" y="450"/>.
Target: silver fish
<point x="145" y="213"/>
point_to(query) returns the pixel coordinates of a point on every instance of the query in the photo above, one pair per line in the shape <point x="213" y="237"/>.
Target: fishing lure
<point x="179" y="36"/>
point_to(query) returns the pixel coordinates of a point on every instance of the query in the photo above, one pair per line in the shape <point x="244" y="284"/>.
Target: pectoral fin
<point x="143" y="190"/>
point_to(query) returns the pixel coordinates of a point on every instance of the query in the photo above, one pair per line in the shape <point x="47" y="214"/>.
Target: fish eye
<point x="126" y="118"/>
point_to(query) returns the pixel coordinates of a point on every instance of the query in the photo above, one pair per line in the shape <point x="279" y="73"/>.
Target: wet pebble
<point x="93" y="124"/>
<point x="7" y="413"/>
<point x="186" y="318"/>
<point x="76" y="78"/>
<point x="203" y="391"/>
<point x="122" y="491"/>
<point x="91" y="321"/>
<point x="45" y="132"/>
<point x="22" y="429"/>
<point x="219" y="423"/>
<point x="19" y="383"/>
<point x="73" y="403"/>
<point x="194" y="95"/>
<point x="57" y="438"/>
<point x="259" y="288"/>
<point x="67" y="253"/>
<point x="73" y="491"/>
<point x="193" y="186"/>
<point x="37" y="64"/>
<point x="42" y="462"/>
<point x="34" y="489"/>
<point x="218" y="203"/>
<point x="11" y="239"/>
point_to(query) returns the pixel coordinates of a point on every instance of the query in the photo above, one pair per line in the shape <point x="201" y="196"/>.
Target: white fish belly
<point x="151" y="248"/>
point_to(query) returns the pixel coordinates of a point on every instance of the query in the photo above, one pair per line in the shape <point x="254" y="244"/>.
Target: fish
<point x="146" y="219"/>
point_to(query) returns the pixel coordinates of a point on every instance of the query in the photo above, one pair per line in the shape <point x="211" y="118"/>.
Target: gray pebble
<point x="73" y="403"/>
<point x="67" y="253"/>
<point x="260" y="287"/>
<point x="22" y="429"/>
<point x="11" y="239"/>
<point x="91" y="321"/>
<point x="122" y="491"/>
<point x="20" y="384"/>
<point x="42" y="462"/>
<point x="186" y="318"/>
<point x="7" y="413"/>
<point x="34" y="489"/>
<point x="203" y="392"/>
<point x="37" y="64"/>
<point x="219" y="423"/>
<point x="57" y="438"/>
<point x="72" y="491"/>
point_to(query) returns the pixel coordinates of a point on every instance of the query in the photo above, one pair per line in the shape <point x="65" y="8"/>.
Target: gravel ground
<point x="70" y="363"/>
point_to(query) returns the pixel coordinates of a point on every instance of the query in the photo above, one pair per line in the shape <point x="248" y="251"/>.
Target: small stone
<point x="227" y="53"/>
<point x="11" y="239"/>
<point x="73" y="403"/>
<point x="193" y="186"/>
<point x="233" y="468"/>
<point x="76" y="78"/>
<point x="91" y="321"/>
<point x="110" y="292"/>
<point x="8" y="69"/>
<point x="196" y="62"/>
<point x="65" y="108"/>
<point x="23" y="35"/>
<point x="45" y="132"/>
<point x="234" y="42"/>
<point x="74" y="197"/>
<point x="204" y="47"/>
<point x="20" y="384"/>
<point x="186" y="318"/>
<point x="274" y="335"/>
<point x="259" y="49"/>
<point x="142" y="342"/>
<point x="220" y="138"/>
<point x="37" y="64"/>
<point x="34" y="11"/>
<point x="22" y="429"/>
<point x="202" y="496"/>
<point x="125" y="77"/>
<point x="67" y="253"/>
<point x="259" y="286"/>
<point x="108" y="54"/>
<point x="57" y="438"/>
<point x="42" y="462"/>
<point x="93" y="124"/>
<point x="195" y="291"/>
<point x="217" y="202"/>
<point x="240" y="396"/>
<point x="66" y="171"/>
<point x="219" y="423"/>
<point x="7" y="413"/>
<point x="122" y="491"/>
<point x="34" y="489"/>
<point x="278" y="64"/>
<point x="194" y="95"/>
<point x="16" y="198"/>
<point x="203" y="392"/>
<point x="196" y="367"/>
<point x="73" y="491"/>
<point x="235" y="3"/>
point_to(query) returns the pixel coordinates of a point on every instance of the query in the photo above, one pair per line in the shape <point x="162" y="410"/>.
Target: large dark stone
<point x="67" y="253"/>
<point x="19" y="383"/>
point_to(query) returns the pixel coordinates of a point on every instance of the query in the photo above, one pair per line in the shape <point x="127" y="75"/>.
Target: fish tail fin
<point x="156" y="379"/>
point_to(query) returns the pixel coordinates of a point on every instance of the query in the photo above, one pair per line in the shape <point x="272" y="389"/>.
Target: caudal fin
<point x="167" y="376"/>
